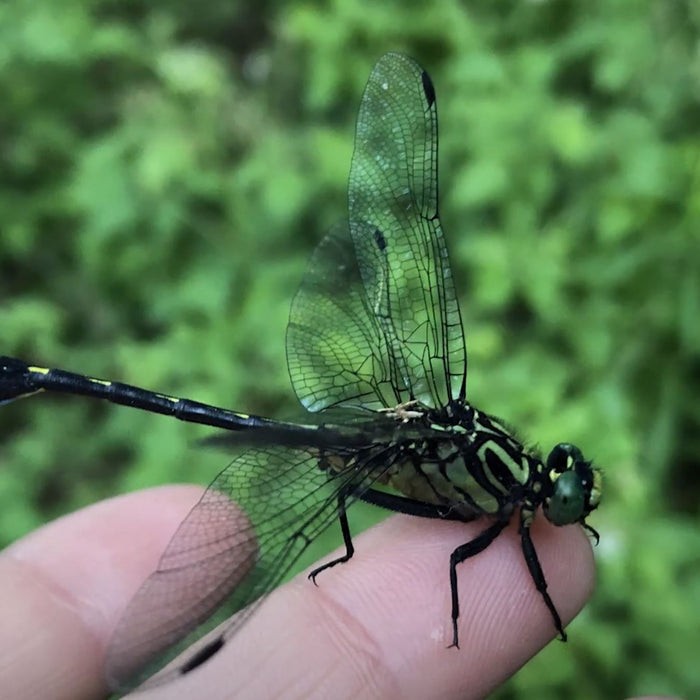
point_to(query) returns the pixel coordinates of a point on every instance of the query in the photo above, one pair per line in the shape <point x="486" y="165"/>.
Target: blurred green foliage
<point x="167" y="168"/>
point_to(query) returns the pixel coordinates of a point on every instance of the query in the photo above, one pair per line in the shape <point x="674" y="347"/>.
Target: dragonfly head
<point x="576" y="486"/>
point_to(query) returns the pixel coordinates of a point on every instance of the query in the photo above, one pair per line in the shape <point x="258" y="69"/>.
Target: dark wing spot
<point x="204" y="654"/>
<point x="428" y="88"/>
<point x="379" y="239"/>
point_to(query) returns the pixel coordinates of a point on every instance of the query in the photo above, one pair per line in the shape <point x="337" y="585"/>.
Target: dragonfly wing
<point x="236" y="545"/>
<point x="398" y="335"/>
<point x="400" y="247"/>
<point x="336" y="350"/>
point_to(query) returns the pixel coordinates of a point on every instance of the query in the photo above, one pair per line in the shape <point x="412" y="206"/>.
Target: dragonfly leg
<point x="347" y="538"/>
<point x="592" y="531"/>
<point x="464" y="551"/>
<point x="533" y="564"/>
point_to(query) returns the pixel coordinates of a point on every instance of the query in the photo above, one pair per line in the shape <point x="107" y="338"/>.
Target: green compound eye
<point x="560" y="455"/>
<point x="567" y="502"/>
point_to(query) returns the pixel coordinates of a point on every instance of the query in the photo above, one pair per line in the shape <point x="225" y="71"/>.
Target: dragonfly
<point x="376" y="349"/>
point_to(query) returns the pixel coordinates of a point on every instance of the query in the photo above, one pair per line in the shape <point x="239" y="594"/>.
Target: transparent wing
<point x="336" y="350"/>
<point x="236" y="545"/>
<point x="398" y="334"/>
<point x="400" y="247"/>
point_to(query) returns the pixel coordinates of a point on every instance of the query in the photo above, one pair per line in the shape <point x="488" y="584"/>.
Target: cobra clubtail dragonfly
<point x="375" y="343"/>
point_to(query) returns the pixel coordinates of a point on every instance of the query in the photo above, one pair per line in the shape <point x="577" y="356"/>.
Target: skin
<point x="376" y="627"/>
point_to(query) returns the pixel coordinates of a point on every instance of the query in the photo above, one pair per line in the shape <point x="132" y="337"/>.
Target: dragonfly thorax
<point x="466" y="462"/>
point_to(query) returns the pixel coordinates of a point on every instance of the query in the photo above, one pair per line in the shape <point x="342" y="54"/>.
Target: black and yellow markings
<point x="18" y="379"/>
<point x="501" y="466"/>
<point x="502" y="457"/>
<point x="38" y="370"/>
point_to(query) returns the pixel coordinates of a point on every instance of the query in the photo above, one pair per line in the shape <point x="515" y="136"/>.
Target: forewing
<point x="399" y="243"/>
<point x="376" y="321"/>
<point x="237" y="544"/>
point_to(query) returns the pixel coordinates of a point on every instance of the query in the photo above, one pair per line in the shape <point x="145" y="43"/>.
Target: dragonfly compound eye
<point x="567" y="503"/>
<point x="563" y="456"/>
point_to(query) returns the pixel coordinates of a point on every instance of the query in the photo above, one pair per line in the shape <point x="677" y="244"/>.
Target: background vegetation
<point x="168" y="166"/>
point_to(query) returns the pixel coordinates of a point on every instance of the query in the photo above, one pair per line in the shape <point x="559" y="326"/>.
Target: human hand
<point x="377" y="626"/>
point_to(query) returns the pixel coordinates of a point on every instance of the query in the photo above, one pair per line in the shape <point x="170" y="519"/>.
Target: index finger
<point x="376" y="626"/>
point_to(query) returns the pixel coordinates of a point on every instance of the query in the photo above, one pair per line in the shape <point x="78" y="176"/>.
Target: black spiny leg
<point x="464" y="551"/>
<point x="533" y="564"/>
<point x="593" y="532"/>
<point x="347" y="538"/>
